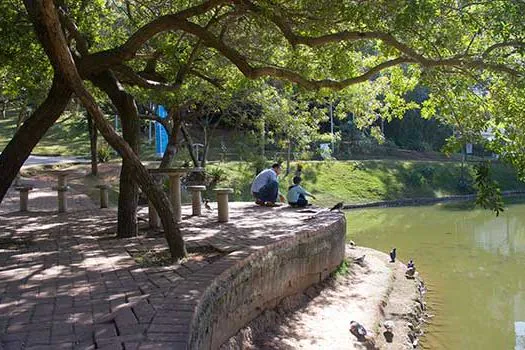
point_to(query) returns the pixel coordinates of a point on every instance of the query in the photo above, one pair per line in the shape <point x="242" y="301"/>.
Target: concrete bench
<point x="196" y="199"/>
<point x="222" y="203"/>
<point x="104" y="196"/>
<point x="174" y="175"/>
<point x="61" y="188"/>
<point x="24" y="195"/>
<point x="62" y="199"/>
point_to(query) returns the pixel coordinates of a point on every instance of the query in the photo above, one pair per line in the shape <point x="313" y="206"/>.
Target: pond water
<point x="473" y="264"/>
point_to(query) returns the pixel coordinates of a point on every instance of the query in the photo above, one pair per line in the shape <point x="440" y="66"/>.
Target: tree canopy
<point x="366" y="54"/>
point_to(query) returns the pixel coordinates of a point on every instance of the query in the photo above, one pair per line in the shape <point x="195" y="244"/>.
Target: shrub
<point x="104" y="153"/>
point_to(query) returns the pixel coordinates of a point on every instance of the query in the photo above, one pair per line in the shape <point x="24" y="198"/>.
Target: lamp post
<point x="332" y="127"/>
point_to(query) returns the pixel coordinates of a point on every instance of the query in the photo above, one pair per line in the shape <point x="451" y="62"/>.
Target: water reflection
<point x="519" y="328"/>
<point x="474" y="265"/>
<point x="503" y="235"/>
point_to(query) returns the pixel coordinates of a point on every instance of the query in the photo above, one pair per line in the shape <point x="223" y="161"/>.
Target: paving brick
<point x="84" y="346"/>
<point x="58" y="308"/>
<point x="131" y="346"/>
<point x="39" y="337"/>
<point x="164" y="345"/>
<point x="105" y="331"/>
<point x="61" y="328"/>
<point x="168" y="337"/>
<point x="168" y="328"/>
<point x="133" y="329"/>
<point x="125" y="317"/>
<point x="61" y="346"/>
<point x="112" y="346"/>
<point x="15" y="337"/>
<point x="15" y="345"/>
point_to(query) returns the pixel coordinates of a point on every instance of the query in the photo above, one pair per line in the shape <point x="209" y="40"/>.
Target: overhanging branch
<point x="128" y="76"/>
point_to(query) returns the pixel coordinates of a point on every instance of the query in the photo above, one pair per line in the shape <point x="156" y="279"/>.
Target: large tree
<point x="469" y="54"/>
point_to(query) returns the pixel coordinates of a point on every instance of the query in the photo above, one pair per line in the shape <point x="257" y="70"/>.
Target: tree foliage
<point x="367" y="55"/>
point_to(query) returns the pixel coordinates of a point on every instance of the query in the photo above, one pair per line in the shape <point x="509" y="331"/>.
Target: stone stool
<point x="104" y="197"/>
<point x="196" y="199"/>
<point x="222" y="203"/>
<point x="24" y="195"/>
<point x="61" y="189"/>
<point x="62" y="199"/>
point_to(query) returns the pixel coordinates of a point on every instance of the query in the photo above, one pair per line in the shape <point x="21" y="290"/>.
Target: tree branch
<point x="81" y="43"/>
<point x="387" y="38"/>
<point x="128" y="76"/>
<point x="487" y="52"/>
<point x="164" y="122"/>
<point x="105" y="59"/>
<point x="214" y="81"/>
<point x="255" y="72"/>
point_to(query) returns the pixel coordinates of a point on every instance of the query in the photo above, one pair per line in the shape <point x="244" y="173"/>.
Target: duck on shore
<point x="411" y="269"/>
<point x="358" y="330"/>
<point x="393" y="255"/>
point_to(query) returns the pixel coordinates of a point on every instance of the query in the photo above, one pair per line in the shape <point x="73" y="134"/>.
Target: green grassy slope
<point x="364" y="181"/>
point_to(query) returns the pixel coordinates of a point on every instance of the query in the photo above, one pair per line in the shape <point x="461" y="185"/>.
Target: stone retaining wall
<point x="262" y="279"/>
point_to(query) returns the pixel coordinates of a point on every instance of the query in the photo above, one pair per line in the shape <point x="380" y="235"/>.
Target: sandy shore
<point x="319" y="318"/>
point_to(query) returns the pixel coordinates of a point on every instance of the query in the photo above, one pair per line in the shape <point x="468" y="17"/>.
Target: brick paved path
<point x="66" y="284"/>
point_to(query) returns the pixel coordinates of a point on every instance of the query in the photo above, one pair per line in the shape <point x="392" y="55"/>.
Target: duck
<point x="338" y="206"/>
<point x="393" y="255"/>
<point x="360" y="260"/>
<point x="207" y="205"/>
<point x="389" y="325"/>
<point x="411" y="264"/>
<point x="357" y="329"/>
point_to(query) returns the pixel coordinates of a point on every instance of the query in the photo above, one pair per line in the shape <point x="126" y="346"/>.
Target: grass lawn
<point x="373" y="180"/>
<point x="68" y="137"/>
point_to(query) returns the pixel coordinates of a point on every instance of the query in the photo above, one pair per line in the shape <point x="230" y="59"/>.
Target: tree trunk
<point x="206" y="145"/>
<point x="128" y="198"/>
<point x="209" y="133"/>
<point x="288" y="156"/>
<point x="47" y="27"/>
<point x="189" y="144"/>
<point x="31" y="131"/>
<point x="22" y="116"/>
<point x="4" y="108"/>
<point x="129" y="191"/>
<point x="171" y="148"/>
<point x="93" y="145"/>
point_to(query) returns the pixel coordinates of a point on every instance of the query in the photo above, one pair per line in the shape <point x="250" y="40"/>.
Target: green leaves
<point x="489" y="193"/>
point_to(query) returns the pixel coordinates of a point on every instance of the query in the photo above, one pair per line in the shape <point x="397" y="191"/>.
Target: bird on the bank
<point x="338" y="206"/>
<point x="352" y="244"/>
<point x="393" y="255"/>
<point x="411" y="270"/>
<point x="207" y="205"/>
<point x="357" y="329"/>
<point x="409" y="273"/>
<point x="421" y="288"/>
<point x="389" y="325"/>
<point x="359" y="260"/>
<point x="411" y="264"/>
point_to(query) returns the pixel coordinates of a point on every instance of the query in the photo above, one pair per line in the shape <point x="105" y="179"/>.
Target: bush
<point x="259" y="164"/>
<point x="427" y="172"/>
<point x="104" y="153"/>
<point x="214" y="176"/>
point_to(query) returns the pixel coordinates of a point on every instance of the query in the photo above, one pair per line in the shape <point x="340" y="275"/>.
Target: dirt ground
<point x="320" y="318"/>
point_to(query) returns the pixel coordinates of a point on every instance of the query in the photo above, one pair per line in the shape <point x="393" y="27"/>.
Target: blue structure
<point x="161" y="136"/>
